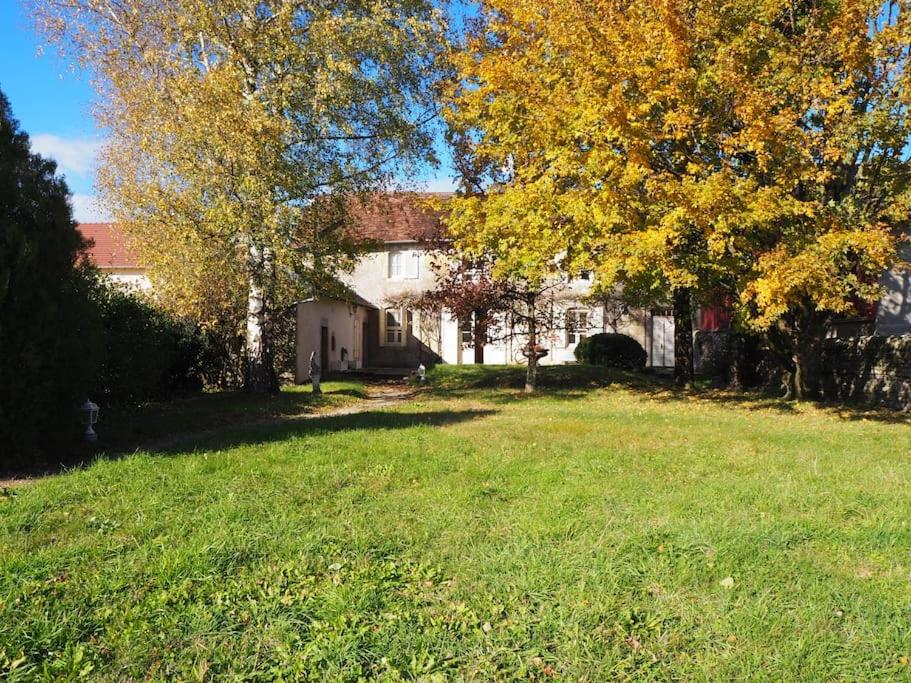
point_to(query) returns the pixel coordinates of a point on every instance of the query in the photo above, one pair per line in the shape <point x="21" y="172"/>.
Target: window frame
<point x="405" y="318"/>
<point x="403" y="264"/>
<point x="578" y="323"/>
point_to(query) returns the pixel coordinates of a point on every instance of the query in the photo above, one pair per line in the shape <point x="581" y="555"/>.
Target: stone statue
<point x="315" y="372"/>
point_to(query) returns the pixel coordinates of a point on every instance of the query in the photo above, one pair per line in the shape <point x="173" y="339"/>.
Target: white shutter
<point x="412" y="261"/>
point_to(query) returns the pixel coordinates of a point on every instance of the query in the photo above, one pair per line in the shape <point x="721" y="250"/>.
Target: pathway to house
<point x="380" y="395"/>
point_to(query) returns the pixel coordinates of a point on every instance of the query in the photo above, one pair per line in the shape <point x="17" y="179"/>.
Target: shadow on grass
<point x="265" y="431"/>
<point x="302" y="426"/>
<point x="127" y="428"/>
<point x="762" y="401"/>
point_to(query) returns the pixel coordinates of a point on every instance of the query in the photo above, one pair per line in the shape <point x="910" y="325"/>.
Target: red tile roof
<point x="394" y="217"/>
<point x="108" y="246"/>
<point x="397" y="217"/>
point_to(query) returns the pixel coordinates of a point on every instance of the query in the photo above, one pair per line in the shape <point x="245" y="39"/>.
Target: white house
<point x="893" y="314"/>
<point x="370" y="328"/>
<point x="109" y="251"/>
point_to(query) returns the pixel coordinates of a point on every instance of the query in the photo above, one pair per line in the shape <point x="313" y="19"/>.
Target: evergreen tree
<point x="47" y="325"/>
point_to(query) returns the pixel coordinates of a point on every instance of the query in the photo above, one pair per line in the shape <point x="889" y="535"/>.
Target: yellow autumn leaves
<point x="752" y="148"/>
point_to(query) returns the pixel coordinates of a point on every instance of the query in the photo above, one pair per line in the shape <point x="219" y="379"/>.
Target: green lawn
<point x="600" y="531"/>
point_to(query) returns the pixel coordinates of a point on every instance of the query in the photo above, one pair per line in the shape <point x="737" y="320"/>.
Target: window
<point x="585" y="275"/>
<point x="396" y="322"/>
<point x="576" y="325"/>
<point x="465" y="332"/>
<point x="403" y="265"/>
<point x="393" y="332"/>
<point x="395" y="264"/>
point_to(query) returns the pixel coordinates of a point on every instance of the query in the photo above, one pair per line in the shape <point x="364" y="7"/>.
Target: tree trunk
<point x="260" y="371"/>
<point x="800" y="335"/>
<point x="683" y="336"/>
<point x="480" y="336"/>
<point x="807" y="367"/>
<point x="531" y="374"/>
<point x="737" y="353"/>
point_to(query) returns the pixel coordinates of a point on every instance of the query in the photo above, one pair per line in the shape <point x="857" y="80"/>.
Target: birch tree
<point x="240" y="129"/>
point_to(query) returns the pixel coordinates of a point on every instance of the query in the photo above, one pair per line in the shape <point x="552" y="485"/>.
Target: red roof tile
<point x="394" y="217"/>
<point x="108" y="246"/>
<point x="397" y="217"/>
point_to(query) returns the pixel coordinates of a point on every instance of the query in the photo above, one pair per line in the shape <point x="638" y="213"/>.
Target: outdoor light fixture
<point x="422" y="373"/>
<point x="89" y="412"/>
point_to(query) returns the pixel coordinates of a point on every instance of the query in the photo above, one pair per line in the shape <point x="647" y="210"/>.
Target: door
<point x="661" y="354"/>
<point x="324" y="348"/>
<point x="357" y="340"/>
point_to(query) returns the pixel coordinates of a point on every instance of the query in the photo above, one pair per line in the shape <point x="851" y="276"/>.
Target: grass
<point x="127" y="428"/>
<point x="175" y="424"/>
<point x="608" y="532"/>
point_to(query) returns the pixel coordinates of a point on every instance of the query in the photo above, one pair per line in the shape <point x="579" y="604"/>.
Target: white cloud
<point x="87" y="210"/>
<point x="73" y="155"/>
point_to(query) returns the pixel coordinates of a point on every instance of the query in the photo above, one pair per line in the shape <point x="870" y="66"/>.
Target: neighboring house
<point x="370" y="328"/>
<point x="888" y="317"/>
<point x="893" y="314"/>
<point x="109" y="252"/>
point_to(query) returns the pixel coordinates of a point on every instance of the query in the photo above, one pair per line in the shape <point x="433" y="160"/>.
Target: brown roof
<point x="398" y="217"/>
<point x="394" y="217"/>
<point x="108" y="246"/>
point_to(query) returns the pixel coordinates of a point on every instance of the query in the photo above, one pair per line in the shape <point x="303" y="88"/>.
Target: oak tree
<point x="752" y="149"/>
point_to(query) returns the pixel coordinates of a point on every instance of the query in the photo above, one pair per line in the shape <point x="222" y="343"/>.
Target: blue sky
<point x="53" y="104"/>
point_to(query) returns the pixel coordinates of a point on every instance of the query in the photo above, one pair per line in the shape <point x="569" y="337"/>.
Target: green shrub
<point x="147" y="354"/>
<point x="611" y="350"/>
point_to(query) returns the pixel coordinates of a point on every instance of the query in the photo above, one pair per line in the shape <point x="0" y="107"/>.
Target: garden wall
<point x="869" y="369"/>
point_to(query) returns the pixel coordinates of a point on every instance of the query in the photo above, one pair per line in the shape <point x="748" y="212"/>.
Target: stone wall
<point x="869" y="369"/>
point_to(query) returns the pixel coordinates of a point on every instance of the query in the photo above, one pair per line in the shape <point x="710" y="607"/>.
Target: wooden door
<point x="324" y="348"/>
<point x="357" y="340"/>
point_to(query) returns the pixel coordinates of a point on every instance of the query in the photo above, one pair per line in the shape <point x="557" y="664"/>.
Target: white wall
<point x="341" y="319"/>
<point x="129" y="278"/>
<point x="893" y="316"/>
<point x="371" y="280"/>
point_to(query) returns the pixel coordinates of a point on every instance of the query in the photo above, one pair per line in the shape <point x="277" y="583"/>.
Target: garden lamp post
<point x="89" y="412"/>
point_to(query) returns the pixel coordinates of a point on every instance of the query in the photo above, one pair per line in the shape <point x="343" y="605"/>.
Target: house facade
<point x="893" y="313"/>
<point x="109" y="252"/>
<point x="372" y="328"/>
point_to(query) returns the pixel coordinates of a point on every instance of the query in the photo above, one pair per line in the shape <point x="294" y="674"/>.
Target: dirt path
<point x="379" y="396"/>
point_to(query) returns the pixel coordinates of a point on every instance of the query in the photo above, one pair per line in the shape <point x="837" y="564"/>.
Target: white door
<point x="661" y="354"/>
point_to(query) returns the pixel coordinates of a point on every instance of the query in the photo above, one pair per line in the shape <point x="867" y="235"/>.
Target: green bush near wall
<point x="47" y="322"/>
<point x="611" y="350"/>
<point x="145" y="353"/>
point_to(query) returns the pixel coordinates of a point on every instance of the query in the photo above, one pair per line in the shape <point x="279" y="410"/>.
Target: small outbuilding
<point x="336" y="329"/>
